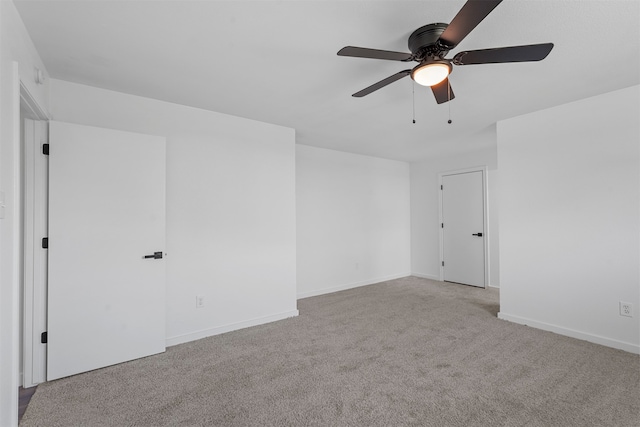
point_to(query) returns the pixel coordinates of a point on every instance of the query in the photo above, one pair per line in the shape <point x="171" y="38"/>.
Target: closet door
<point x="463" y="228"/>
<point x="106" y="287"/>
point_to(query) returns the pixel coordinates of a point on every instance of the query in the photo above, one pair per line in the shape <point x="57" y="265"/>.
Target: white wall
<point x="425" y="223"/>
<point x="570" y="220"/>
<point x="353" y="220"/>
<point x="231" y="220"/>
<point x="18" y="62"/>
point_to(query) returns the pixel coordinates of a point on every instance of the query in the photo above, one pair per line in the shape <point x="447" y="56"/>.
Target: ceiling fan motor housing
<point x="423" y="42"/>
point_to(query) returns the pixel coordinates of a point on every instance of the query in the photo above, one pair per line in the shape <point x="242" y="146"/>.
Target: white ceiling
<point x="275" y="61"/>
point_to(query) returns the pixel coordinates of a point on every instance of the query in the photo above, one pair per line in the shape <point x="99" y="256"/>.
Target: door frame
<point x="34" y="315"/>
<point x="485" y="201"/>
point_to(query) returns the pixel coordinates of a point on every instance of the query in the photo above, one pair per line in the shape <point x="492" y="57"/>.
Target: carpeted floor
<point x="404" y="352"/>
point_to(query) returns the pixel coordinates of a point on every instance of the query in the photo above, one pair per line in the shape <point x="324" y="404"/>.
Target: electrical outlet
<point x="626" y="309"/>
<point x="199" y="301"/>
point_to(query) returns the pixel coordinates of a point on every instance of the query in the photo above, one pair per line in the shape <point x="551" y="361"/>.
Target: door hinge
<point x="45" y="243"/>
<point x="43" y="337"/>
<point x="443" y="263"/>
<point x="45" y="149"/>
<point x="442" y="187"/>
<point x="442" y="224"/>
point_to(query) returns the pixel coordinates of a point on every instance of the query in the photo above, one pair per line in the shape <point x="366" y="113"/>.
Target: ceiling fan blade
<point x="363" y="52"/>
<point x="443" y="92"/>
<point x="532" y="52"/>
<point x="382" y="83"/>
<point x="471" y="14"/>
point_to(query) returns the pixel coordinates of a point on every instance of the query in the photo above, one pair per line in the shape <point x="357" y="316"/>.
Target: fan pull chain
<point x="413" y="92"/>
<point x="449" y="102"/>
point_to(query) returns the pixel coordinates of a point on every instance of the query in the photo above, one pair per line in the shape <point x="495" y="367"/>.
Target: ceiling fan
<point x="430" y="44"/>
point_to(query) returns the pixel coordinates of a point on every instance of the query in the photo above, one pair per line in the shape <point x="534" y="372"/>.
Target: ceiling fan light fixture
<point x="431" y="73"/>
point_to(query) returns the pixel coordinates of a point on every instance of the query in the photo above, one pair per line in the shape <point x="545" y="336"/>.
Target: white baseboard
<point x="596" y="339"/>
<point x="349" y="286"/>
<point x="426" y="276"/>
<point x="204" y="333"/>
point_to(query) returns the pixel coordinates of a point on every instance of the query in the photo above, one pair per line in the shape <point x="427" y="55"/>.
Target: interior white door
<point x="463" y="228"/>
<point x="106" y="301"/>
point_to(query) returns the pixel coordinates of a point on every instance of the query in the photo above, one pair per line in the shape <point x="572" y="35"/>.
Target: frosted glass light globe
<point x="430" y="74"/>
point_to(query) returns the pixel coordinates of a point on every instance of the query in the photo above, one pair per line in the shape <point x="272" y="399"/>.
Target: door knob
<point x="155" y="255"/>
<point x="477" y="234"/>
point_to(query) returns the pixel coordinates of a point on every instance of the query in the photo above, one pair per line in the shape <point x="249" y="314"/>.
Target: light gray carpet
<point x="404" y="352"/>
